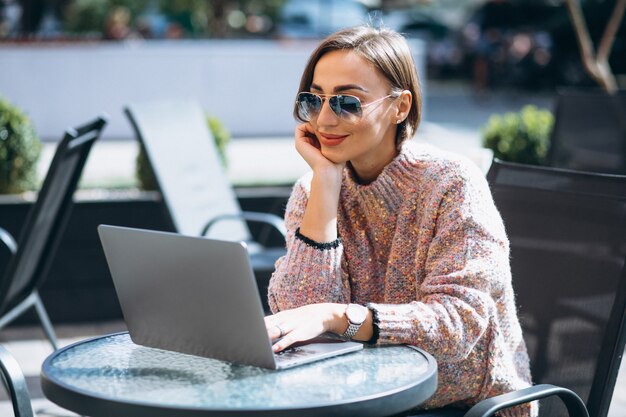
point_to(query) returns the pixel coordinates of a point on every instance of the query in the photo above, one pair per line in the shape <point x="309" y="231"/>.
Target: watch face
<point x="356" y="313"/>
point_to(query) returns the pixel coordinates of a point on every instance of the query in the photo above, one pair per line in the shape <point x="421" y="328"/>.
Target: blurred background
<point x="526" y="44"/>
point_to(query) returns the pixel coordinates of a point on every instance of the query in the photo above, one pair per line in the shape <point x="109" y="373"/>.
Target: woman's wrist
<point x="367" y="328"/>
<point x="322" y="234"/>
<point x="329" y="177"/>
<point x="338" y="323"/>
<point x="315" y="244"/>
<point x="319" y="222"/>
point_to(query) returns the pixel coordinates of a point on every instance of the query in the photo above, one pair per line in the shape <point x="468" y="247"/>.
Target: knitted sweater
<point x="424" y="246"/>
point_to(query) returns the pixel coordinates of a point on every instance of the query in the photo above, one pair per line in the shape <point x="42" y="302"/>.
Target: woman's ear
<point x="403" y="106"/>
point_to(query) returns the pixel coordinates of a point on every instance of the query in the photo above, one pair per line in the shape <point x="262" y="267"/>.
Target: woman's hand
<point x="308" y="146"/>
<point x="305" y="323"/>
<point x="320" y="218"/>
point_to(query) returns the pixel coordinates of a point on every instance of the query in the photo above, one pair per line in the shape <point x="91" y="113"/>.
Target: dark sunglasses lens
<point x="346" y="106"/>
<point x="309" y="106"/>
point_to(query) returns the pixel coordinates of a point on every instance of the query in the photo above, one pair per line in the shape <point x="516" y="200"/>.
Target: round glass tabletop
<point x="115" y="370"/>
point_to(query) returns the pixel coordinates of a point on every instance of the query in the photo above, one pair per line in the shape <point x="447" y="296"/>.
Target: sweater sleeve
<point x="466" y="269"/>
<point x="307" y="274"/>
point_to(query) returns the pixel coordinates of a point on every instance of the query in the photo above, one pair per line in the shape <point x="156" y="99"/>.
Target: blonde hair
<point x="389" y="52"/>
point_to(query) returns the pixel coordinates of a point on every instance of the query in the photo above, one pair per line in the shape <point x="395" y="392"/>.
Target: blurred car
<point x="319" y="18"/>
<point x="443" y="51"/>
<point x="417" y="23"/>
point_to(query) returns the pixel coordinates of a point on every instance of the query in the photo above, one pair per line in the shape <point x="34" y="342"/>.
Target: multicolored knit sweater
<point x="424" y="246"/>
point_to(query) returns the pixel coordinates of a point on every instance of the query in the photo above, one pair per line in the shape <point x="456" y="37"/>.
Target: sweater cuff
<point x="375" y="325"/>
<point x="317" y="245"/>
<point x="392" y="322"/>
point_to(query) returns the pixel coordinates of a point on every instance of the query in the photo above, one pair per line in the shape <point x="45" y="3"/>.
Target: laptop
<point x="198" y="296"/>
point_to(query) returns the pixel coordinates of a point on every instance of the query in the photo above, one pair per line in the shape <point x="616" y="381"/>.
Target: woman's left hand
<point x="304" y="323"/>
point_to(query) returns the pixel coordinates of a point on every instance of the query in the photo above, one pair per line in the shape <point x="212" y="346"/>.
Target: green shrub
<point x="19" y="150"/>
<point x="90" y="16"/>
<point x="220" y="134"/>
<point x="522" y="137"/>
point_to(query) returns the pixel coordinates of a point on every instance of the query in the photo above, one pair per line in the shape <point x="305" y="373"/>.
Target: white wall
<point x="249" y="85"/>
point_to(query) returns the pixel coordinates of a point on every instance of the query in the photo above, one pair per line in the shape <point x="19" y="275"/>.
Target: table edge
<point x="85" y="402"/>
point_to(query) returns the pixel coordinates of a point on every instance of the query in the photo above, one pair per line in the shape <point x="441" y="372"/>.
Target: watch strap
<point x="353" y="327"/>
<point x="351" y="330"/>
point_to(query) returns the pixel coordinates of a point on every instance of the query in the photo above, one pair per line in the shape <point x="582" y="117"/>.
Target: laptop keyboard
<point x="289" y="353"/>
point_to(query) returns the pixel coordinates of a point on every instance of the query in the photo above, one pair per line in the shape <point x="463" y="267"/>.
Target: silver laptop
<point x="197" y="296"/>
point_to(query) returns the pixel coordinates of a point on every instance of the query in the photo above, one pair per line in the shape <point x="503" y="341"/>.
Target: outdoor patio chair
<point x="43" y="229"/>
<point x="568" y="248"/>
<point x="589" y="132"/>
<point x="196" y="192"/>
<point x="15" y="384"/>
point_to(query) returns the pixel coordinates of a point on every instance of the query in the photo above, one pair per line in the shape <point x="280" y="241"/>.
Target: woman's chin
<point x="333" y="156"/>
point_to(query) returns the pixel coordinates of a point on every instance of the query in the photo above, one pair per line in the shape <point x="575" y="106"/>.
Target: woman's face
<point x="369" y="143"/>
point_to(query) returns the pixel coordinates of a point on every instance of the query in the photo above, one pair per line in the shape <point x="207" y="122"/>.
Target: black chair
<point x="198" y="197"/>
<point x="43" y="229"/>
<point x="589" y="132"/>
<point x="568" y="249"/>
<point x="15" y="383"/>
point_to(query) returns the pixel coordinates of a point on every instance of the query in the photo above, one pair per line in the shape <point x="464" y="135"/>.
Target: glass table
<point x="110" y="375"/>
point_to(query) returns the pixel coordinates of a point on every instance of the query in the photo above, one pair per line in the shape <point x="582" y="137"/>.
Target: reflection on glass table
<point x="110" y="375"/>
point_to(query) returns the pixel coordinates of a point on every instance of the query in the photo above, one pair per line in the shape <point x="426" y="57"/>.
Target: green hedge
<point x="19" y="150"/>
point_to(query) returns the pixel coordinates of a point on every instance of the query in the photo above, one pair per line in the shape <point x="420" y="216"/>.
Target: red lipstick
<point x="328" y="139"/>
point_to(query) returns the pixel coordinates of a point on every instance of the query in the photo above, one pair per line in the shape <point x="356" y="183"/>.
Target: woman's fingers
<point x="292" y="335"/>
<point x="285" y="342"/>
<point x="275" y="327"/>
<point x="307" y="144"/>
<point x="297" y="325"/>
<point x="275" y="332"/>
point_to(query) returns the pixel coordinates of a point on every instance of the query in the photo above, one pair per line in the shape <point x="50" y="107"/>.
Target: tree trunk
<point x="597" y="64"/>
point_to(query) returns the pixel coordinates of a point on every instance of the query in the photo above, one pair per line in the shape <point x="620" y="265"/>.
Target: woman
<point x="391" y="242"/>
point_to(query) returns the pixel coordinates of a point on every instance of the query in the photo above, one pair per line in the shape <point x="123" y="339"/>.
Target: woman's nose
<point x="327" y="116"/>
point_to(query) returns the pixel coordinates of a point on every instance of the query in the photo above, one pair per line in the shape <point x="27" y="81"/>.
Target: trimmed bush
<point x="522" y="137"/>
<point x="19" y="151"/>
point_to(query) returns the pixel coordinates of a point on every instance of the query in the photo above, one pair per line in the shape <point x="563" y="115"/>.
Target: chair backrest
<point x="48" y="217"/>
<point x="186" y="165"/>
<point x="589" y="132"/>
<point x="568" y="248"/>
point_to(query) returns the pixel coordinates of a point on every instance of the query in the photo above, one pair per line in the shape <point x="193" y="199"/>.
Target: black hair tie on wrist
<point x="317" y="245"/>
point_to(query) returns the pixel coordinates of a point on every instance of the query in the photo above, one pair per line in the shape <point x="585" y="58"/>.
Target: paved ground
<point x="453" y="121"/>
<point x="30" y="348"/>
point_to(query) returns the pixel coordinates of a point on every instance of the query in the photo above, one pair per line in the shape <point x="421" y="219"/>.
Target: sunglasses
<point x="346" y="107"/>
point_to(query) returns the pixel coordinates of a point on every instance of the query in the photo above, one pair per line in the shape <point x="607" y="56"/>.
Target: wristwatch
<point x="356" y="315"/>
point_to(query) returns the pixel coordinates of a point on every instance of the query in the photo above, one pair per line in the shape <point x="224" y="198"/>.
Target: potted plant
<point x="522" y="137"/>
<point x="19" y="150"/>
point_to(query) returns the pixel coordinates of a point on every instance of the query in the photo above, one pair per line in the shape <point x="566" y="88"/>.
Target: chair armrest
<point x="575" y="405"/>
<point x="16" y="383"/>
<point x="253" y="216"/>
<point x="7" y="239"/>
